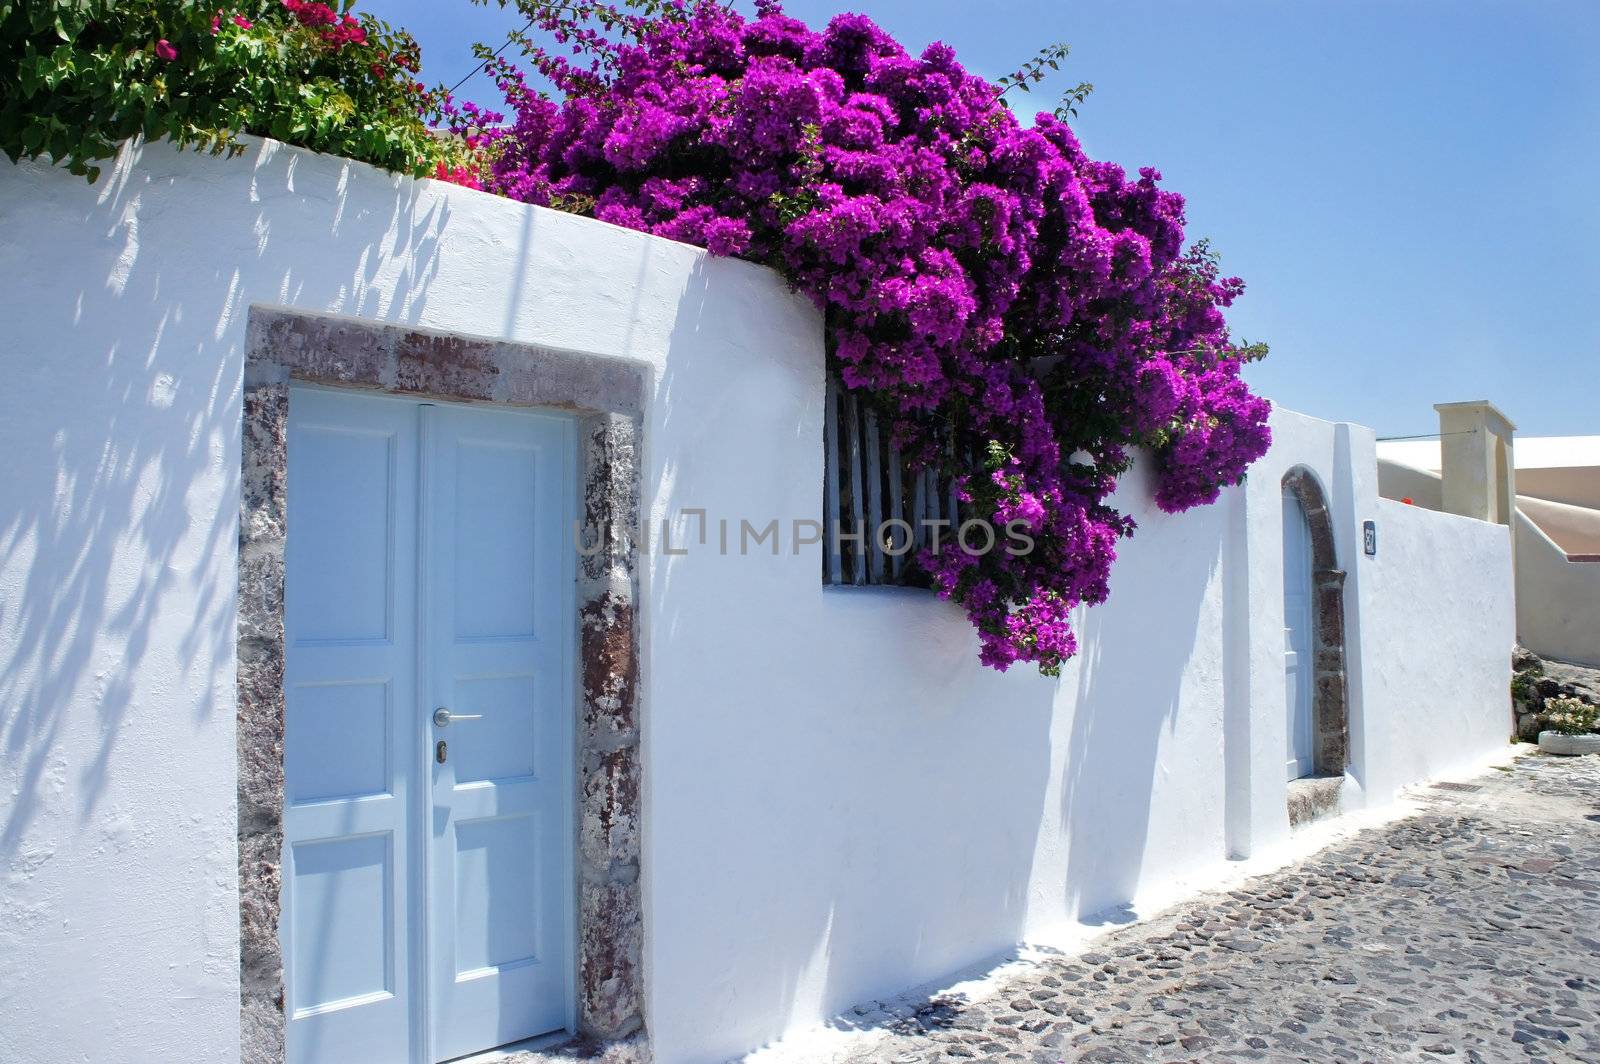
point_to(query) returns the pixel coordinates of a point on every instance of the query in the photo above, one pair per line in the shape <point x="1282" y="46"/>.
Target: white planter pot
<point x="1553" y="742"/>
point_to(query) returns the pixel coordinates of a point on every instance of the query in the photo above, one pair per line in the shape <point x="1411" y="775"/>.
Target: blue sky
<point x="1410" y="188"/>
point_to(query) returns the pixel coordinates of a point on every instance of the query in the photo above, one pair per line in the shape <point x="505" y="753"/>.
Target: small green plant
<point x="1523" y="679"/>
<point x="1570" y="716"/>
<point x="80" y="77"/>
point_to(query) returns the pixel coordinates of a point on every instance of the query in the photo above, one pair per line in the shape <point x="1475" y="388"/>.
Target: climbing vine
<point x="1021" y="314"/>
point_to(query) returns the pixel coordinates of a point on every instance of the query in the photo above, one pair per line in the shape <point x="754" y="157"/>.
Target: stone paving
<point x="1467" y="932"/>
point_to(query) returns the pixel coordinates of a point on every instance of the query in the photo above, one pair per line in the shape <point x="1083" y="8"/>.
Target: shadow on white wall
<point x="119" y="518"/>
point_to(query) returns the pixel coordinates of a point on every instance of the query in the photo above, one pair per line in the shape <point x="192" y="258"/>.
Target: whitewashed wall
<point x="840" y="802"/>
<point x="1557" y="600"/>
<point x="1426" y="689"/>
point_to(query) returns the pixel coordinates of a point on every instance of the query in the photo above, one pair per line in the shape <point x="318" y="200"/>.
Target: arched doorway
<point x="1314" y="658"/>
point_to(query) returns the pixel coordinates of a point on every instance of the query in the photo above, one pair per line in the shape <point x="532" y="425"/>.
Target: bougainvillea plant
<point x="1020" y="314"/>
<point x="995" y="292"/>
<point x="79" y="77"/>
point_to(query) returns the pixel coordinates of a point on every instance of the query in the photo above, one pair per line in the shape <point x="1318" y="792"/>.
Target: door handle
<point x="442" y="717"/>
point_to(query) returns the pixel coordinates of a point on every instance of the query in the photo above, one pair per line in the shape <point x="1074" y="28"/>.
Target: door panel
<point x="343" y="888"/>
<point x="499" y="747"/>
<point x="497" y="480"/>
<point x="498" y="588"/>
<point x="1298" y="652"/>
<point x="427" y="903"/>
<point x="489" y="932"/>
<point x="339" y="744"/>
<point x="350" y="467"/>
<point x="349" y="691"/>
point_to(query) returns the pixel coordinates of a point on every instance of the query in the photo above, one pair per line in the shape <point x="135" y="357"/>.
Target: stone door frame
<point x="608" y="396"/>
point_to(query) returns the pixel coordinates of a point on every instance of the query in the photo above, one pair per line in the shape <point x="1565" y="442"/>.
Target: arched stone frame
<point x="607" y="395"/>
<point x="1330" y="705"/>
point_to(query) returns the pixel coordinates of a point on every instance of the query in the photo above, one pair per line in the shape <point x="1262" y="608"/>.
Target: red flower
<point x="311" y="13"/>
<point x="1408" y="502"/>
<point x="242" y="22"/>
<point x="348" y="31"/>
<point x="460" y="175"/>
<point x="165" y="50"/>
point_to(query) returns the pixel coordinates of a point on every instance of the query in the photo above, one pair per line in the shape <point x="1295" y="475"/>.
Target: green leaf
<point x="33" y="137"/>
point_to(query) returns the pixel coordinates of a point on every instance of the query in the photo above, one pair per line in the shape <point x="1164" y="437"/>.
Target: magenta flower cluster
<point x="1000" y="296"/>
<point x="337" y="30"/>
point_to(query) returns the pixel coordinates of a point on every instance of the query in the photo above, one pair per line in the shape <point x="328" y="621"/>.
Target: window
<point x="877" y="513"/>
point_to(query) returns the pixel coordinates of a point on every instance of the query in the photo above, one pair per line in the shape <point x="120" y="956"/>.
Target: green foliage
<point x="79" y="77"/>
<point x="1523" y="679"/>
<point x="804" y="200"/>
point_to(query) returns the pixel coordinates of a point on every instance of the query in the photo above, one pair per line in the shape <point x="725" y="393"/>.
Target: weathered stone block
<point x="451" y="366"/>
<point x="610" y="957"/>
<point x="608" y="830"/>
<point x="610" y="671"/>
<point x="331" y="350"/>
<point x="1330" y="616"/>
<point x="611" y="490"/>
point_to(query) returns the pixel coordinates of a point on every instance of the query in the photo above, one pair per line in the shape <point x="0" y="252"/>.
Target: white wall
<point x="1397" y="481"/>
<point x="840" y="802"/>
<point x="1430" y="616"/>
<point x="1573" y="485"/>
<point x="1428" y="682"/>
<point x="125" y="306"/>
<point x="1575" y="529"/>
<point x="1557" y="599"/>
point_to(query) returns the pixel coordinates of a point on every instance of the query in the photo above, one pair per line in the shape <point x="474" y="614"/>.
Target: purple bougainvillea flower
<point x="165" y="50"/>
<point x="991" y="290"/>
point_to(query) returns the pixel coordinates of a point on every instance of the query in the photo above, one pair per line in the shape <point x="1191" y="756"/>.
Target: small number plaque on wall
<point x="1369" y="537"/>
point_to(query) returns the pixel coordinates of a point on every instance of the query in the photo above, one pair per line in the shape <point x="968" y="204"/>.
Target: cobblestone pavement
<point x="1467" y="932"/>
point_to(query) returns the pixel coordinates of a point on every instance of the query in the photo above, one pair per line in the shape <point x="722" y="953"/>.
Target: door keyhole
<point x="439" y="751"/>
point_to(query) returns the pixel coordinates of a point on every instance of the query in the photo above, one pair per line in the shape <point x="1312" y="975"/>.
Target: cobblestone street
<point x="1470" y="931"/>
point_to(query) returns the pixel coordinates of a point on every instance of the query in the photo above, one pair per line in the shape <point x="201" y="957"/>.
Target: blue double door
<point x="427" y="865"/>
